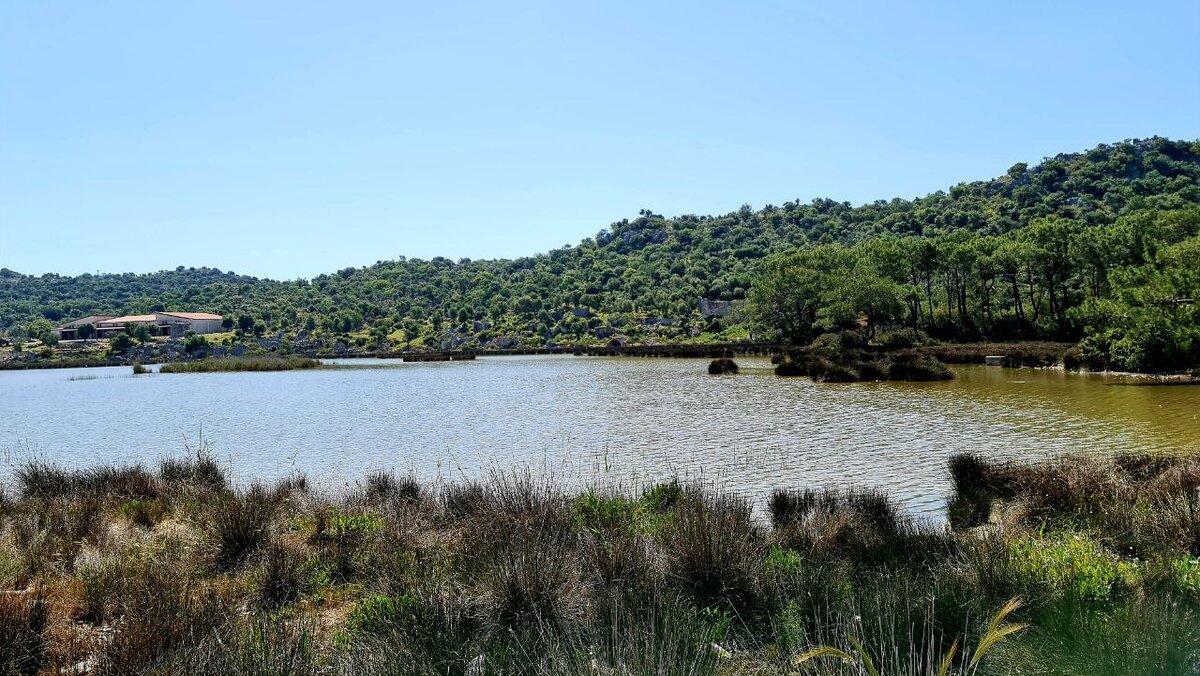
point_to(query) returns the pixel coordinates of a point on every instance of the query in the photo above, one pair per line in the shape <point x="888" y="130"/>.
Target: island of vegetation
<point x="1098" y="250"/>
<point x="1070" y="566"/>
<point x="271" y="363"/>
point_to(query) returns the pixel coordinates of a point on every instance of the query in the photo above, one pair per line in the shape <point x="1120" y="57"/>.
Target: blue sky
<point x="293" y="138"/>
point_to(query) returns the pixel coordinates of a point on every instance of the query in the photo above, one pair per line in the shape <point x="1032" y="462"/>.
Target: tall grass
<point x="175" y="572"/>
<point x="240" y="364"/>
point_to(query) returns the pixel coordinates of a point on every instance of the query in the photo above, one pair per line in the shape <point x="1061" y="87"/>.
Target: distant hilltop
<point x="691" y="271"/>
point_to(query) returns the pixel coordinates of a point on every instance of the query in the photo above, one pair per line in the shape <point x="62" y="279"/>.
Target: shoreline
<point x="1028" y="354"/>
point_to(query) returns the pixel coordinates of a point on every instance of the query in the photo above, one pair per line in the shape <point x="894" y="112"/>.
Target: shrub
<point x="162" y="612"/>
<point x="386" y="485"/>
<point x="241" y="364"/>
<point x="283" y="577"/>
<point x="144" y="513"/>
<point x="200" y="471"/>
<point x="43" y="480"/>
<point x="896" y="340"/>
<point x="463" y="500"/>
<point x="262" y="647"/>
<point x="917" y="368"/>
<point x="439" y="630"/>
<point x="1071" y="565"/>
<point x="239" y="524"/>
<point x="722" y="366"/>
<point x="791" y="369"/>
<point x="823" y="370"/>
<point x="535" y="583"/>
<point x="22" y="621"/>
<point x="715" y="551"/>
<point x="662" y="497"/>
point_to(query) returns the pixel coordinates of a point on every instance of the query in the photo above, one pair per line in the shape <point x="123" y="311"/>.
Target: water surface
<point x="589" y="419"/>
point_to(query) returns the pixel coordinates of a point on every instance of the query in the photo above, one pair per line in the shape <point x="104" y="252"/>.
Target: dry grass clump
<point x="176" y="572"/>
<point x="39" y="479"/>
<point x="714" y="550"/>
<point x="240" y="523"/>
<point x="1139" y="504"/>
<point x="23" y="618"/>
<point x="198" y="471"/>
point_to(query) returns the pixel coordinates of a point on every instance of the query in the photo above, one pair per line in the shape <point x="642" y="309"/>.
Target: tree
<point x="785" y="299"/>
<point x="862" y="294"/>
<point x="194" y="343"/>
<point x="140" y="332"/>
<point x="86" y="330"/>
<point x="120" y="343"/>
<point x="41" y="329"/>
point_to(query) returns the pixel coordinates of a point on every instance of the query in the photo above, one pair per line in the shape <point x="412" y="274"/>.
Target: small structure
<point x="994" y="360"/>
<point x="714" y="308"/>
<point x="169" y="324"/>
<point x="70" y="330"/>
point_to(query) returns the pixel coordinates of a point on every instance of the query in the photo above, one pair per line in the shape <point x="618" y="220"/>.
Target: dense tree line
<point x="1127" y="289"/>
<point x="643" y="277"/>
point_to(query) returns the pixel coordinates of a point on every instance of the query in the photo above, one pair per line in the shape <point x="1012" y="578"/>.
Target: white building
<point x="170" y="324"/>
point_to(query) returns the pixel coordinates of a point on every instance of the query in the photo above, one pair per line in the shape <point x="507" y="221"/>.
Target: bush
<point x="239" y="525"/>
<point x="162" y="613"/>
<point x="283" y="578"/>
<point x="1071" y="565"/>
<point x="722" y="366"/>
<point x="22" y="621"/>
<point x="144" y="513"/>
<point x="790" y="368"/>
<point x="200" y="471"/>
<point x="262" y="647"/>
<point x="824" y="370"/>
<point x="896" y="340"/>
<point x="43" y="480"/>
<point x="917" y="368"/>
<point x="715" y="550"/>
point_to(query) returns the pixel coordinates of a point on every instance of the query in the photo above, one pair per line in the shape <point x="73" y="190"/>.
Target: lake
<point x="599" y="420"/>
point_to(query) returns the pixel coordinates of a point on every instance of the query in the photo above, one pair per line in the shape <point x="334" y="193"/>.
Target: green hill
<point x="642" y="278"/>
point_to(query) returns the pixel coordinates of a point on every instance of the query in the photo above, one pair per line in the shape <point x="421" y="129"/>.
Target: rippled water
<point x="584" y="419"/>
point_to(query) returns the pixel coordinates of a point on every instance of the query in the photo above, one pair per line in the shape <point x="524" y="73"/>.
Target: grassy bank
<point x="127" y="570"/>
<point x="241" y="364"/>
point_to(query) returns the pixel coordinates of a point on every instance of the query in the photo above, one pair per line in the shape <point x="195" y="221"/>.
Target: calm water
<point x="583" y="419"/>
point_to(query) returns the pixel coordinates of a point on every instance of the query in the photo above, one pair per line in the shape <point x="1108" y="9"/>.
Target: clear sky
<point x="287" y="139"/>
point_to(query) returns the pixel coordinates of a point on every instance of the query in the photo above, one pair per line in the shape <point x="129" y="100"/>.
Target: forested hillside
<point x="1122" y="209"/>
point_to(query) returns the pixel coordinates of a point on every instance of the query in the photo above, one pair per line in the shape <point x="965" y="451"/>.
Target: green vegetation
<point x="1097" y="245"/>
<point x="1128" y="288"/>
<point x="135" y="572"/>
<point x="241" y="364"/>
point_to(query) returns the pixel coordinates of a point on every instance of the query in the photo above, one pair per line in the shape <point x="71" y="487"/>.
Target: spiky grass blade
<point x="823" y="651"/>
<point x="862" y="654"/>
<point x="997" y="630"/>
<point x="948" y="659"/>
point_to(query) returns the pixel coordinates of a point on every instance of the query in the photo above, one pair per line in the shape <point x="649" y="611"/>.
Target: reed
<point x="137" y="572"/>
<point x="241" y="364"/>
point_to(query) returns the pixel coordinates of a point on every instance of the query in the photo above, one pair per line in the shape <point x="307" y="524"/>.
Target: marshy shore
<point x="174" y="570"/>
